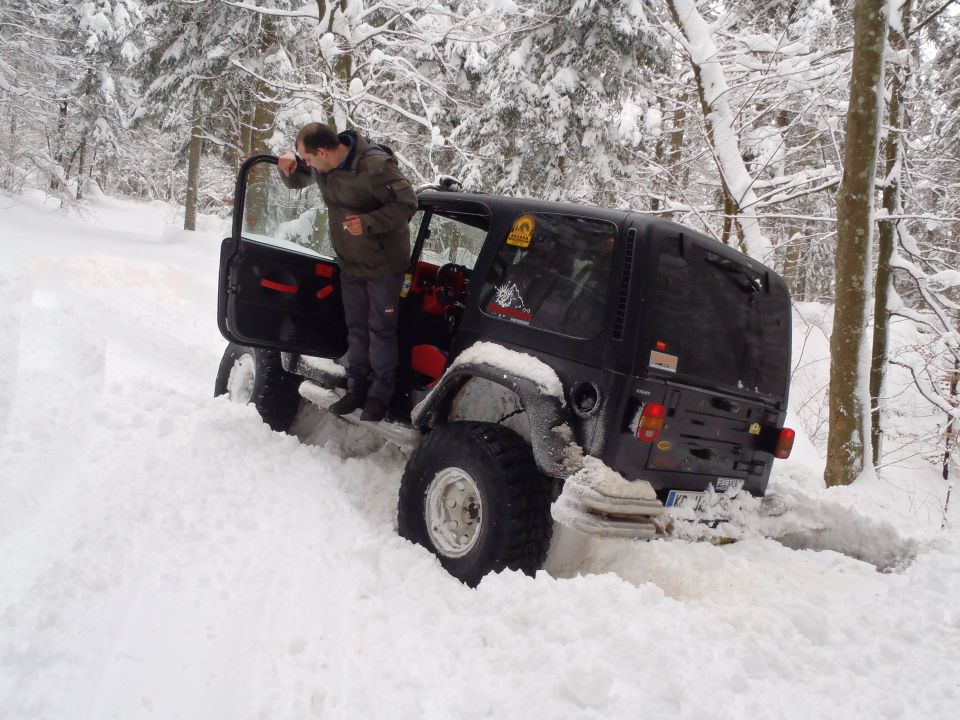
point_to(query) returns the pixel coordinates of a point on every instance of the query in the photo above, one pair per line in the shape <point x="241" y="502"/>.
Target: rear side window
<point x="552" y="273"/>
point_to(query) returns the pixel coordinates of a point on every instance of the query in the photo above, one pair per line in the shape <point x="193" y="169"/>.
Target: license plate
<point x="691" y="500"/>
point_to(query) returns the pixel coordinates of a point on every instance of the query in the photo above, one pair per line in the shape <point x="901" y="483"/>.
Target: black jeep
<point x="630" y="362"/>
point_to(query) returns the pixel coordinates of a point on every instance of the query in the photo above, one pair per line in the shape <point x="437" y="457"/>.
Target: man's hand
<point x="287" y="163"/>
<point x="353" y="225"/>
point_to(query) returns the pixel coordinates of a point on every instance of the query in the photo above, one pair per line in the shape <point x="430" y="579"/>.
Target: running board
<point x="323" y="371"/>
<point x="403" y="436"/>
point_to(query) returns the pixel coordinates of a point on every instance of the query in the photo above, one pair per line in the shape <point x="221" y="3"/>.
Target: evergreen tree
<point x="207" y="74"/>
<point x="103" y="92"/>
<point x="559" y="106"/>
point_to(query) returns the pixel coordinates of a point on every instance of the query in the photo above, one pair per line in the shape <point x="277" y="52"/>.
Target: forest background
<point x="733" y="118"/>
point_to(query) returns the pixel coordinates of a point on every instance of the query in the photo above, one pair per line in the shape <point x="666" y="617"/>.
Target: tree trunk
<point x="792" y="268"/>
<point x="792" y="229"/>
<point x="83" y="150"/>
<point x="61" y="134"/>
<point x="257" y="201"/>
<point x="848" y="445"/>
<point x="246" y="122"/>
<point x="675" y="152"/>
<point x="342" y="66"/>
<point x="676" y="139"/>
<point x="193" y="178"/>
<point x="893" y="151"/>
<point x="950" y="434"/>
<point x="729" y="211"/>
<point x="661" y="157"/>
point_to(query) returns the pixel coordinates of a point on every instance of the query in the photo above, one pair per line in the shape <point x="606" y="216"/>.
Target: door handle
<point x="279" y="287"/>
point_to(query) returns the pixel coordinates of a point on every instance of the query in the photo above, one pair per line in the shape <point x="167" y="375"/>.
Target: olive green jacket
<point x="372" y="187"/>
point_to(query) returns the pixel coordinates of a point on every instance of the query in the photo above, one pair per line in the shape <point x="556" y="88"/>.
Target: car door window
<point x="292" y="219"/>
<point x="453" y="240"/>
<point x="552" y="272"/>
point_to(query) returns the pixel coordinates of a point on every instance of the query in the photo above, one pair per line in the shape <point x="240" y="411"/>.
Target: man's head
<point x="320" y="147"/>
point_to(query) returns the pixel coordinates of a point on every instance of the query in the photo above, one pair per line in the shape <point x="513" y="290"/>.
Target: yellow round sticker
<point x="522" y="231"/>
<point x="664" y="445"/>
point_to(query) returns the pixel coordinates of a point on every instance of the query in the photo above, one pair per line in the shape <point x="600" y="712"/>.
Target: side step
<point x="323" y="371"/>
<point x="403" y="436"/>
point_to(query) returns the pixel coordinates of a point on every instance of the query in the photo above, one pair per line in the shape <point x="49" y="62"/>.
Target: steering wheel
<point x="447" y="293"/>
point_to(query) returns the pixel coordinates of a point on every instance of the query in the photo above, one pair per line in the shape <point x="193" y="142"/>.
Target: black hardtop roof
<point x="450" y="199"/>
<point x="502" y="203"/>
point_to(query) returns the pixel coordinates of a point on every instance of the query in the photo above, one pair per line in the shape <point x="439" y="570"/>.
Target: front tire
<point x="472" y="494"/>
<point x="254" y="375"/>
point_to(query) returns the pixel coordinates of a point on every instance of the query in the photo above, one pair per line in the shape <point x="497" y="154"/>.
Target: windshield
<point x="719" y="320"/>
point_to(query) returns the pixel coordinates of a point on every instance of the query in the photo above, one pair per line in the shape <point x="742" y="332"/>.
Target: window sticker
<point x="662" y="361"/>
<point x="522" y="231"/>
<point x="725" y="484"/>
<point x="508" y="295"/>
<point x="507" y="302"/>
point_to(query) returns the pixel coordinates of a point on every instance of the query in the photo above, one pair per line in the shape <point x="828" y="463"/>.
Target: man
<point x="369" y="205"/>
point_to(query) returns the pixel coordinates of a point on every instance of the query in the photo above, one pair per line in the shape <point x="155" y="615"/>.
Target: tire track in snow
<point x="59" y="361"/>
<point x="14" y="287"/>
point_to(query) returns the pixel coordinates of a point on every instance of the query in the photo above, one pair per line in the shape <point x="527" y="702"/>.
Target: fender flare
<point x="550" y="433"/>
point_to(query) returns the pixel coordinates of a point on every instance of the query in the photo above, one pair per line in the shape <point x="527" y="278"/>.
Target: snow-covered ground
<point x="163" y="554"/>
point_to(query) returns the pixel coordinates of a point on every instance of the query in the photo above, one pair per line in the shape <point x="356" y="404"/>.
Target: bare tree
<point x="889" y="225"/>
<point x="848" y="444"/>
<point x="696" y="37"/>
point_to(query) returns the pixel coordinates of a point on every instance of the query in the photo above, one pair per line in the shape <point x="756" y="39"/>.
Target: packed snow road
<point x="164" y="554"/>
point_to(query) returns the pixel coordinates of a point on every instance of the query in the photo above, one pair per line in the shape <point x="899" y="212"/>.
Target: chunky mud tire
<point x="257" y="376"/>
<point x="480" y="480"/>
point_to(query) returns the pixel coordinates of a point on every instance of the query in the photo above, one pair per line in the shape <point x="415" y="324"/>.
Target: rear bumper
<point x="598" y="501"/>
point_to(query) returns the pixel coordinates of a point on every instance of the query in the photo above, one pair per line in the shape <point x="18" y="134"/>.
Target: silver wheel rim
<point x="453" y="512"/>
<point x="240" y="382"/>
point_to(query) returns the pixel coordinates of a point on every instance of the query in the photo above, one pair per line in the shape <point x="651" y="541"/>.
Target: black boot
<point x="348" y="403"/>
<point x="374" y="411"/>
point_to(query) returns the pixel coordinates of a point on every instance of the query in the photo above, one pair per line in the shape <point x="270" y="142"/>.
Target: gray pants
<point x="371" y="307"/>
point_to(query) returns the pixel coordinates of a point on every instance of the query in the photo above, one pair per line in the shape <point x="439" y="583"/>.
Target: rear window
<point x="719" y="320"/>
<point x="552" y="273"/>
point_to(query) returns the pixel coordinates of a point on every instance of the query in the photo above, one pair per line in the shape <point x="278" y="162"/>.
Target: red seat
<point x="428" y="360"/>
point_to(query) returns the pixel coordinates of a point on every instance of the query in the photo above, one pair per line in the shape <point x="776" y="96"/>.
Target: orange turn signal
<point x="651" y="422"/>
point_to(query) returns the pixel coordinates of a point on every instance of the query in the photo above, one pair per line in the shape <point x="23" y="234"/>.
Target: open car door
<point x="279" y="280"/>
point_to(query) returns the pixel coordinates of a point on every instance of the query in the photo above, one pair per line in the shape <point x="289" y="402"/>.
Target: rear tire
<point x="480" y="477"/>
<point x="254" y="375"/>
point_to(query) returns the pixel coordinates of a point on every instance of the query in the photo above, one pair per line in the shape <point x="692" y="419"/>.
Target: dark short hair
<point x="314" y="136"/>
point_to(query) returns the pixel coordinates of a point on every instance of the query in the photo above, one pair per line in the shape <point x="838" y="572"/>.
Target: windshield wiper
<point x="754" y="285"/>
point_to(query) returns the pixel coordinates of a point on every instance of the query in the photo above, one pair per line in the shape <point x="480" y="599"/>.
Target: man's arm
<point x="294" y="172"/>
<point x="399" y="200"/>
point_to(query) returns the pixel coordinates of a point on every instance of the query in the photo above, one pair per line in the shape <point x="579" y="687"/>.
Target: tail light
<point x="784" y="444"/>
<point x="651" y="422"/>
